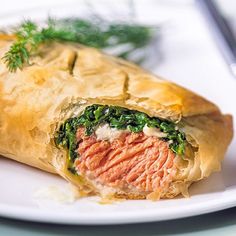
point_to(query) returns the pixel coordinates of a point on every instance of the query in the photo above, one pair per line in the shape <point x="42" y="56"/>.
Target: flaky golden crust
<point x="211" y="135"/>
<point x="62" y="77"/>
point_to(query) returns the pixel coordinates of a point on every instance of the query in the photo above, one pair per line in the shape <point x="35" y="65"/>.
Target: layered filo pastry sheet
<point x="107" y="126"/>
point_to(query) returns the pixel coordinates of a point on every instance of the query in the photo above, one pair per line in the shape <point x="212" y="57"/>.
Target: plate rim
<point x="106" y="218"/>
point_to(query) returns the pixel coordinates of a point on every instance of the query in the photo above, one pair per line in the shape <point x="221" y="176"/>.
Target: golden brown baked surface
<point x="37" y="99"/>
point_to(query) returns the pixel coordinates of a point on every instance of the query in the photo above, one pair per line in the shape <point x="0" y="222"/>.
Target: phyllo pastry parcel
<point x="107" y="126"/>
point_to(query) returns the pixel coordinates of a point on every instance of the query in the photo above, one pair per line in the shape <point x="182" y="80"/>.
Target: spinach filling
<point x="119" y="118"/>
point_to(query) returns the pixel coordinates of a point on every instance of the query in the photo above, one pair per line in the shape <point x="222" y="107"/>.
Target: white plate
<point x="193" y="61"/>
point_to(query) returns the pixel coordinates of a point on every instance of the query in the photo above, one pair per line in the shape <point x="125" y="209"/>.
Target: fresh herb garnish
<point x="94" y="34"/>
<point x="119" y="118"/>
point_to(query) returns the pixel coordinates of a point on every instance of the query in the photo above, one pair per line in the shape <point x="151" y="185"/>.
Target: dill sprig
<point x="19" y="51"/>
<point x="94" y="34"/>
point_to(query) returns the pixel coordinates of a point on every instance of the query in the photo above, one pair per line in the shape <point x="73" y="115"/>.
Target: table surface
<point x="198" y="46"/>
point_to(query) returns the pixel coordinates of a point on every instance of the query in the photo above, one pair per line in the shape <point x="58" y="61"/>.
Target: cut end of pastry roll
<point x="107" y="126"/>
<point x="160" y="160"/>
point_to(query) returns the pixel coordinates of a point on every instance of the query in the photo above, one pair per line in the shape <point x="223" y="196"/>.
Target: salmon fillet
<point x="133" y="162"/>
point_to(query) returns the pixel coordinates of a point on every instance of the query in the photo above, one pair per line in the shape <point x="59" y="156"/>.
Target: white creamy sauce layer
<point x="150" y="131"/>
<point x="105" y="132"/>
